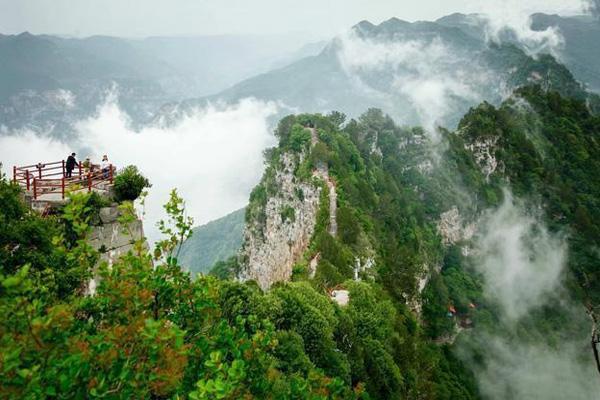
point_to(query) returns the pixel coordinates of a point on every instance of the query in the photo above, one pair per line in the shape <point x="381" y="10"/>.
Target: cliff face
<point x="113" y="238"/>
<point x="269" y="252"/>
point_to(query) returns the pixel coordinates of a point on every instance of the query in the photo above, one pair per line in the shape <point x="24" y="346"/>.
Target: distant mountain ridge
<point x="213" y="242"/>
<point x="48" y="82"/>
<point x="447" y="67"/>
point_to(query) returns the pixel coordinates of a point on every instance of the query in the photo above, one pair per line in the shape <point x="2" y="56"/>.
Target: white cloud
<point x="521" y="262"/>
<point x="514" y="16"/>
<point x="436" y="79"/>
<point x="522" y="266"/>
<point x="213" y="156"/>
<point x="517" y="370"/>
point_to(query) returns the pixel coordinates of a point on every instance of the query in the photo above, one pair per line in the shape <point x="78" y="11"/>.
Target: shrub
<point x="129" y="184"/>
<point x="288" y="214"/>
<point x="299" y="138"/>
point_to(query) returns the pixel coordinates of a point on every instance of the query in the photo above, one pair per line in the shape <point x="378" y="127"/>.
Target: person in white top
<point x="105" y="165"/>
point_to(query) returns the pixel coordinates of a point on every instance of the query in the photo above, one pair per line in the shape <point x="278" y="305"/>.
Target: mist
<point x="593" y="7"/>
<point x="435" y="77"/>
<point x="523" y="268"/>
<point x="513" y="18"/>
<point x="522" y="263"/>
<point x="213" y="155"/>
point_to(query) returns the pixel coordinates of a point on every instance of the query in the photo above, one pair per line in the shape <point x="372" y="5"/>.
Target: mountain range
<point x="420" y="73"/>
<point x="460" y="55"/>
<point x="49" y="82"/>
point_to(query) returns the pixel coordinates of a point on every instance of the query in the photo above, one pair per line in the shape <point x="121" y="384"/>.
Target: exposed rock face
<point x="452" y="228"/>
<point x="113" y="239"/>
<point x="341" y="297"/>
<point x="483" y="150"/>
<point x="268" y="254"/>
<point x="332" y="207"/>
<point x="362" y="266"/>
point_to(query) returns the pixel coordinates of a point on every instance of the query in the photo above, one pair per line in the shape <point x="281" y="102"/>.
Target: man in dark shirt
<point x="70" y="165"/>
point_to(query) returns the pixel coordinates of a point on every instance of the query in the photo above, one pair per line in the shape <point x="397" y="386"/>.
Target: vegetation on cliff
<point x="151" y="331"/>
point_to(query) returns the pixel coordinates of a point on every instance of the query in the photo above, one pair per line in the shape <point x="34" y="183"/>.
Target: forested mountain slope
<point x="459" y="268"/>
<point x="215" y="241"/>
<point x="488" y="231"/>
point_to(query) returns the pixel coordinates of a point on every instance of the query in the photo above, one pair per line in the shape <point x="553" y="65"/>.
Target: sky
<point x="315" y="18"/>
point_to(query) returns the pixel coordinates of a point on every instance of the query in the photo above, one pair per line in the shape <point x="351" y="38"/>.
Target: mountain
<point x="448" y="69"/>
<point x="215" y="241"/>
<point x="49" y="82"/>
<point x="377" y="262"/>
<point x="578" y="33"/>
<point x="470" y="234"/>
<point x="421" y="73"/>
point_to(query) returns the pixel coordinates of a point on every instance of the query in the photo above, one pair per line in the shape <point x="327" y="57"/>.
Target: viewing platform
<point x="46" y="184"/>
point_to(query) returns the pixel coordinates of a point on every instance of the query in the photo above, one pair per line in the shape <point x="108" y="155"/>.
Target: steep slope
<point x="469" y="234"/>
<point x="215" y="241"/>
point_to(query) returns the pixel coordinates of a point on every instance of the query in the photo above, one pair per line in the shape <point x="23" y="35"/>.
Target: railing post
<point x="63" y="168"/>
<point x="110" y="173"/>
<point x="14" y="173"/>
<point x="27" y="178"/>
<point x="34" y="189"/>
<point x="62" y="187"/>
<point x="39" y="167"/>
<point x="80" y="166"/>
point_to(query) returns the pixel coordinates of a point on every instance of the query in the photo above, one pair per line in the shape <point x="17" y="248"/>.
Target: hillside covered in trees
<point x="422" y="320"/>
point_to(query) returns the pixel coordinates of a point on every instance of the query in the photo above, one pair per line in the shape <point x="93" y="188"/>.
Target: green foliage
<point x="149" y="331"/>
<point x="176" y="230"/>
<point x="25" y="238"/>
<point x="129" y="184"/>
<point x="549" y="154"/>
<point x="225" y="269"/>
<point x="288" y="214"/>
<point x="299" y="138"/>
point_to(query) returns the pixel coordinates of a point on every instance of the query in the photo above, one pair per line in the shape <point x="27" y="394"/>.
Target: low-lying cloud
<point x="593" y="7"/>
<point x="521" y="262"/>
<point x="522" y="265"/>
<point x="433" y="78"/>
<point x="213" y="155"/>
<point x="516" y="370"/>
<point x="504" y="18"/>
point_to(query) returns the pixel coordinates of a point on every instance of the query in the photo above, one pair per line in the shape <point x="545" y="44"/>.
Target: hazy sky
<point x="319" y="18"/>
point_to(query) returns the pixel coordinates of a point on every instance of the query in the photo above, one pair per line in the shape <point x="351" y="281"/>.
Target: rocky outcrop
<point x="268" y="254"/>
<point x="452" y="228"/>
<point x="112" y="238"/>
<point x="483" y="150"/>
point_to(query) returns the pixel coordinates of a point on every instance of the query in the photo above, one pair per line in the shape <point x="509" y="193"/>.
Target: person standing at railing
<point x="86" y="165"/>
<point x="70" y="165"/>
<point x="105" y="165"/>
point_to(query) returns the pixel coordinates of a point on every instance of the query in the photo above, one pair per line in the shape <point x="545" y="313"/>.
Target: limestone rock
<point x="484" y="151"/>
<point x="341" y="297"/>
<point x="269" y="253"/>
<point x="109" y="214"/>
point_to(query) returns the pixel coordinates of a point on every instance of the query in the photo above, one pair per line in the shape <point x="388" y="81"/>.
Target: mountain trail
<point x="322" y="171"/>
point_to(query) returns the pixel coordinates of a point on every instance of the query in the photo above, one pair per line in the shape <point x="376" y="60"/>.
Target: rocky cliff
<point x="271" y="247"/>
<point x="113" y="238"/>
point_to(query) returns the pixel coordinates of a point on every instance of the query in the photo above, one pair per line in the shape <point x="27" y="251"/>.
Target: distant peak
<point x="393" y="22"/>
<point x="364" y="25"/>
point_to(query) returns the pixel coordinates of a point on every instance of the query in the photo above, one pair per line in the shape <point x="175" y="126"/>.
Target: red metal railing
<point x="51" y="177"/>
